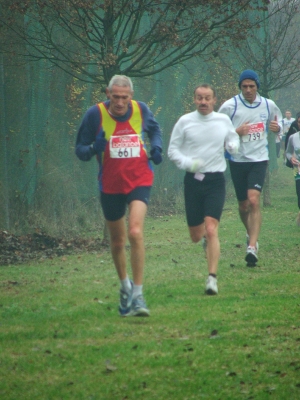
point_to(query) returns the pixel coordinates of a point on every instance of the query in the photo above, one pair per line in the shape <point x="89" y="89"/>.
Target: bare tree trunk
<point x="266" y="190"/>
<point x="4" y="155"/>
<point x="272" y="166"/>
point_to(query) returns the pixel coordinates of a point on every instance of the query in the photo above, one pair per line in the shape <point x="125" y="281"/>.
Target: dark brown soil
<point x="18" y="249"/>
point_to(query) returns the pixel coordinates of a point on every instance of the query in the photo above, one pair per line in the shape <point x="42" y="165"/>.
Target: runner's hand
<point x="294" y="161"/>
<point x="274" y="127"/>
<point x="197" y="165"/>
<point x="232" y="148"/>
<point x="156" y="156"/>
<point x="243" y="129"/>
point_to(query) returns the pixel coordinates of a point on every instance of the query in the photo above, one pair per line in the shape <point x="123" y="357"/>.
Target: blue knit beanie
<point x="249" y="74"/>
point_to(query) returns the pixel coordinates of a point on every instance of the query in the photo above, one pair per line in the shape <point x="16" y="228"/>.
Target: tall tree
<point x="273" y="51"/>
<point x="94" y="39"/>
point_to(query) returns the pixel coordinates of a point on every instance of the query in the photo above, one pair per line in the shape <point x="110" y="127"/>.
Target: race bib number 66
<point x="256" y="132"/>
<point x="125" y="146"/>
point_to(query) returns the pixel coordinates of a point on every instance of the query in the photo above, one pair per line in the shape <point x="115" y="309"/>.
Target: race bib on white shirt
<point x="256" y="132"/>
<point x="125" y="146"/>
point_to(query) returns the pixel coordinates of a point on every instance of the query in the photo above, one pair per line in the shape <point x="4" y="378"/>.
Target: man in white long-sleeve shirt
<point x="293" y="155"/>
<point x="253" y="117"/>
<point x="197" y="146"/>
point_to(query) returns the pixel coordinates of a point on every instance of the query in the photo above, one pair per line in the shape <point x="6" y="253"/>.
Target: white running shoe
<point x="251" y="255"/>
<point x="211" y="285"/>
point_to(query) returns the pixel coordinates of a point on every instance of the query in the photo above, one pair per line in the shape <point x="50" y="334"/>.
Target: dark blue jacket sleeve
<point x="87" y="132"/>
<point x="151" y="126"/>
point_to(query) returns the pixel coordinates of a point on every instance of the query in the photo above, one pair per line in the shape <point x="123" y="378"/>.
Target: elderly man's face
<point x="119" y="97"/>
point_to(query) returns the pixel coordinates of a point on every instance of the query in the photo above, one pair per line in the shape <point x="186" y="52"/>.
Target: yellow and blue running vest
<point x="125" y="161"/>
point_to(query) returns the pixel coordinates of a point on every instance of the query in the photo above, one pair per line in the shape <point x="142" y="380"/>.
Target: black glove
<point x="156" y="156"/>
<point x="100" y="143"/>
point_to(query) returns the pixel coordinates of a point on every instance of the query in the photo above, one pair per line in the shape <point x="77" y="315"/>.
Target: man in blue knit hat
<point x="253" y="117"/>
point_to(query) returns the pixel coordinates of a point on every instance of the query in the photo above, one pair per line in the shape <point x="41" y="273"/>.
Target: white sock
<point x="126" y="285"/>
<point x="137" y="290"/>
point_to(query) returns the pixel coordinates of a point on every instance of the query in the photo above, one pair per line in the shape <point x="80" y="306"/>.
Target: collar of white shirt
<point x="256" y="101"/>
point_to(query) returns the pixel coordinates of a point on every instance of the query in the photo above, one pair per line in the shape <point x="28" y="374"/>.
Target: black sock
<point x="214" y="275"/>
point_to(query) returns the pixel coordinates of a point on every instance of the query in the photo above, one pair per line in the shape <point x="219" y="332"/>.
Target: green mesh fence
<point x="43" y="184"/>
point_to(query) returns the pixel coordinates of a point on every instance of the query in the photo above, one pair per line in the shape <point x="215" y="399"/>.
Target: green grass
<point x="61" y="336"/>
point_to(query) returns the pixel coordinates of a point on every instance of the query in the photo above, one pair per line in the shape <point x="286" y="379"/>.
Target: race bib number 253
<point x="256" y="132"/>
<point x="125" y="146"/>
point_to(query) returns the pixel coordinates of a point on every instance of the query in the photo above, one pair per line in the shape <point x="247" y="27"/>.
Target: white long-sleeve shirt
<point x="259" y="114"/>
<point x="293" y="147"/>
<point x="196" y="136"/>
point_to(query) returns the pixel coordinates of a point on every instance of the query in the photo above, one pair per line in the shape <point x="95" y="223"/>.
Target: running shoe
<point x="251" y="255"/>
<point x="211" y="285"/>
<point x="139" y="308"/>
<point x="125" y="301"/>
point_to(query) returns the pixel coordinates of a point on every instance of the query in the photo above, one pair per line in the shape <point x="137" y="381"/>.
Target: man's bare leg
<point x="137" y="213"/>
<point x="250" y="215"/>
<point x="117" y="232"/>
<point x="210" y="229"/>
<point x="213" y="244"/>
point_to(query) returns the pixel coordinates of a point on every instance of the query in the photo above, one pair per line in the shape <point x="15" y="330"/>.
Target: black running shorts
<point x="204" y="198"/>
<point x="247" y="175"/>
<point x="114" y="205"/>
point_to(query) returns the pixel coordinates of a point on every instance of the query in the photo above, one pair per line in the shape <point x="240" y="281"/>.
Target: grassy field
<point x="61" y="336"/>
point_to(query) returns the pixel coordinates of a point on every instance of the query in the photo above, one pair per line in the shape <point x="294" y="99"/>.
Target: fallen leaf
<point x="231" y="373"/>
<point x="109" y="366"/>
<point x="213" y="334"/>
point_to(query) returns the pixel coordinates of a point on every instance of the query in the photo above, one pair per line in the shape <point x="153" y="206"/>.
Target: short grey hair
<point x="120" y="80"/>
<point x="206" y="86"/>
